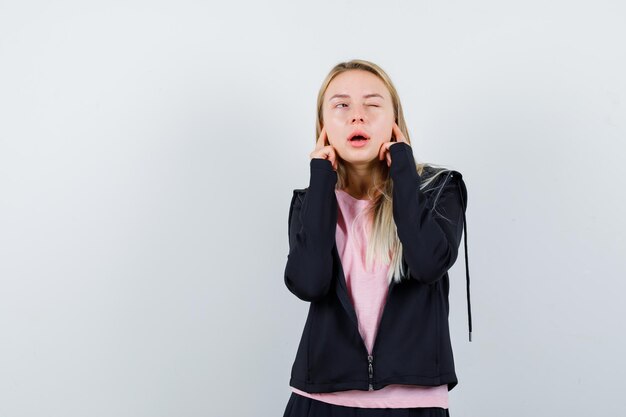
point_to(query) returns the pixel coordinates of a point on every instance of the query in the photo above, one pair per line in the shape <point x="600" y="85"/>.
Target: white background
<point x="148" y="153"/>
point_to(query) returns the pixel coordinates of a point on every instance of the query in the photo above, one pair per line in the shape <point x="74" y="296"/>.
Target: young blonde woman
<point x="370" y="242"/>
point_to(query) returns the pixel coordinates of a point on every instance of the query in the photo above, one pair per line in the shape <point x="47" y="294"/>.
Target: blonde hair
<point x="384" y="244"/>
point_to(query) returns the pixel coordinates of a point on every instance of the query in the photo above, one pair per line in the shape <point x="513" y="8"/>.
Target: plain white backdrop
<point x="148" y="153"/>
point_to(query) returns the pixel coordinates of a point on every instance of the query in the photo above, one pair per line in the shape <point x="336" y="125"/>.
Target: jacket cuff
<point x="322" y="174"/>
<point x="403" y="163"/>
<point x="319" y="207"/>
<point x="322" y="164"/>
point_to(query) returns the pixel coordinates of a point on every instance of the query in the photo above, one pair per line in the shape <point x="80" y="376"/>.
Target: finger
<point x="321" y="140"/>
<point x="321" y="153"/>
<point x="332" y="156"/>
<point x="388" y="159"/>
<point x="398" y="133"/>
<point x="381" y="152"/>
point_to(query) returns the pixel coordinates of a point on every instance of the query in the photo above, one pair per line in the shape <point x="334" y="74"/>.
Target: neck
<point x="360" y="178"/>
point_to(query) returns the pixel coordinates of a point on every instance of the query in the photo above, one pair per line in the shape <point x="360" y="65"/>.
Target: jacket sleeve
<point x="311" y="228"/>
<point x="430" y="242"/>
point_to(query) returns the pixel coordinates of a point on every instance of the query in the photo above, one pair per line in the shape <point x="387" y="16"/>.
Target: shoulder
<point x="299" y="193"/>
<point x="437" y="175"/>
<point x="297" y="199"/>
<point x="440" y="180"/>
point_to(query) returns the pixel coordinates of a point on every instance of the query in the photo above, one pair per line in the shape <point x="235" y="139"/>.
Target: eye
<point x="341" y="104"/>
<point x="373" y="105"/>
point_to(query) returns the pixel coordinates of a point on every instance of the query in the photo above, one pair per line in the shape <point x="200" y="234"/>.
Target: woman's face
<point x="357" y="101"/>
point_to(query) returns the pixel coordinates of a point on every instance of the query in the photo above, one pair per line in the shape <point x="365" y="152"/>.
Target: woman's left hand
<point x="384" y="153"/>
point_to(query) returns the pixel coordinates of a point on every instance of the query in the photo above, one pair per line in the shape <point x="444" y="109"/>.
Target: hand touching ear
<point x="396" y="137"/>
<point x="324" y="151"/>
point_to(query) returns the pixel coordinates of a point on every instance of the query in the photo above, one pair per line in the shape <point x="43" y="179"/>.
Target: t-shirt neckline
<point x="351" y="198"/>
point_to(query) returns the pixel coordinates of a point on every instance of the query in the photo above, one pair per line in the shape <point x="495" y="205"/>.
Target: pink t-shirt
<point x="368" y="291"/>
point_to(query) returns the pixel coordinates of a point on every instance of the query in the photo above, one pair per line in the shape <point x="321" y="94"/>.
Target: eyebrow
<point x="348" y="96"/>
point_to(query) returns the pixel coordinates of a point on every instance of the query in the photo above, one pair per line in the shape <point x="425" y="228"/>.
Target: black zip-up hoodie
<point x="412" y="344"/>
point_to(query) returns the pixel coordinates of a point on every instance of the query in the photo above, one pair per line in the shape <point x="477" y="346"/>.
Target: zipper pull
<point x="370" y="371"/>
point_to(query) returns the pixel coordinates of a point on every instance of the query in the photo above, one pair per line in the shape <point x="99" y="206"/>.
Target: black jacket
<point x="412" y="344"/>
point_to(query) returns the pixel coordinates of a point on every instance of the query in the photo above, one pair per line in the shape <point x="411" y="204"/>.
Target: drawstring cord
<point x="467" y="277"/>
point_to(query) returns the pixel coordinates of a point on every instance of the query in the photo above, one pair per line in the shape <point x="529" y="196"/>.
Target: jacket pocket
<point x="299" y="369"/>
<point x="409" y="340"/>
<point x="336" y="351"/>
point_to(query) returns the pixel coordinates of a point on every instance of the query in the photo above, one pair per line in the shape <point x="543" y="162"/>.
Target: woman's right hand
<point x="324" y="151"/>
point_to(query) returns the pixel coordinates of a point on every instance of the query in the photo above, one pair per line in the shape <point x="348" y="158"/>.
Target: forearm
<point x="430" y="243"/>
<point x="312" y="226"/>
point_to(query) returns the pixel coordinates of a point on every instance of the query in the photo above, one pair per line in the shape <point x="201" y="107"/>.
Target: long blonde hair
<point x="384" y="244"/>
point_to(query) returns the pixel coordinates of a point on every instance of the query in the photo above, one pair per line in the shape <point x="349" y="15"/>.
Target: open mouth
<point x="358" y="135"/>
<point x="358" y="138"/>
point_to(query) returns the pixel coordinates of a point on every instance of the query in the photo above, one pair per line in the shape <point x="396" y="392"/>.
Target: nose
<point x="357" y="116"/>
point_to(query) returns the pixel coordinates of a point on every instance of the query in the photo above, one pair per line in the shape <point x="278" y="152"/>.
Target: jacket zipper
<point x="370" y="358"/>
